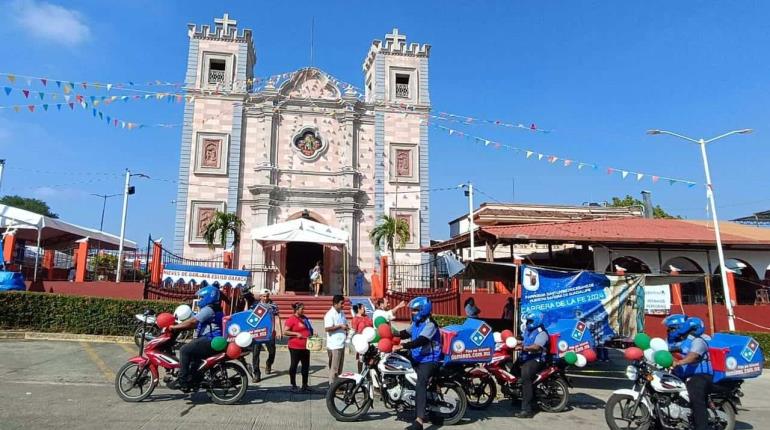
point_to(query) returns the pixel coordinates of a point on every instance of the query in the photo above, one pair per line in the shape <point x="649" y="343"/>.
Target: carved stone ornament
<point x="403" y="162"/>
<point x="308" y="144"/>
<point x="205" y="216"/>
<point x="211" y="148"/>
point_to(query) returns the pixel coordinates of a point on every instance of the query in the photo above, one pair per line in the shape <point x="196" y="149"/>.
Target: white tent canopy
<point x="54" y="233"/>
<point x="299" y="230"/>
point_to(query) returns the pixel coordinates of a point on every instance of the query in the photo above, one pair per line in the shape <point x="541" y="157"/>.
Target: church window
<point x="308" y="143"/>
<point x="217" y="69"/>
<point x="402" y="86"/>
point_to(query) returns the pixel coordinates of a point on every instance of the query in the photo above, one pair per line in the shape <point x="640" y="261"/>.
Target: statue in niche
<point x="205" y="216"/>
<point x="308" y="143"/>
<point x="403" y="167"/>
<point x="211" y="153"/>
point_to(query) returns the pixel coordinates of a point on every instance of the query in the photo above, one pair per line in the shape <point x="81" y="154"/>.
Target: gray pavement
<point x="47" y="384"/>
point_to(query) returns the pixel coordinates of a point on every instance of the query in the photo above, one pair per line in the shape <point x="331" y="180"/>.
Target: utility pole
<point x="127" y="189"/>
<point x="469" y="192"/>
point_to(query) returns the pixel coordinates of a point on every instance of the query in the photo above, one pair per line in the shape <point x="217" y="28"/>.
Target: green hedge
<point x="445" y="320"/>
<point x="48" y="312"/>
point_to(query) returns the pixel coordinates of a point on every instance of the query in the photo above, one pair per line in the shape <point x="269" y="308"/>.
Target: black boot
<point x="416" y="425"/>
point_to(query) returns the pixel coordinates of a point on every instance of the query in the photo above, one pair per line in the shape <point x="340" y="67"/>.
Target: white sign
<point x="657" y="299"/>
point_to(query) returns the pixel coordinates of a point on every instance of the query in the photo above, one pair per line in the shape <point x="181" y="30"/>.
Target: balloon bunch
<point x="232" y="350"/>
<point x="653" y="350"/>
<point x="506" y="339"/>
<point x="381" y="334"/>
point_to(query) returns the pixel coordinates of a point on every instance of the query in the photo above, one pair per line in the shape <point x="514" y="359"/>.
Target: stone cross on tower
<point x="395" y="38"/>
<point x="225" y="22"/>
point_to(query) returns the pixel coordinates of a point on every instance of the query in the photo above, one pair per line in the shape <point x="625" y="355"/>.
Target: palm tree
<point x="392" y="231"/>
<point x="221" y="225"/>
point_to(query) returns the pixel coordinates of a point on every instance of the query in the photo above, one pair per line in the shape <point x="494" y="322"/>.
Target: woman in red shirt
<point x="360" y="322"/>
<point x="298" y="329"/>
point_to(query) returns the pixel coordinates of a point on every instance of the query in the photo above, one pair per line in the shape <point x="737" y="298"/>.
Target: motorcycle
<point x="392" y="377"/>
<point x="225" y="382"/>
<point x="147" y="330"/>
<point x="551" y="385"/>
<point x="659" y="400"/>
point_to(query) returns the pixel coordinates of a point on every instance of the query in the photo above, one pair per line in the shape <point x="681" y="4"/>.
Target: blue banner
<point x="258" y="322"/>
<point x="604" y="306"/>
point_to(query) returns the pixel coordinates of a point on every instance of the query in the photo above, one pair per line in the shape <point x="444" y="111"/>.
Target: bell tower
<point x="396" y="81"/>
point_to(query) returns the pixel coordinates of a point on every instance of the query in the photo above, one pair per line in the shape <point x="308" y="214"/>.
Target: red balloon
<point x="385" y="345"/>
<point x="633" y="353"/>
<point x="165" y="320"/>
<point x="505" y="334"/>
<point x="233" y="351"/>
<point x="384" y="331"/>
<point x="396" y="340"/>
<point x="589" y="354"/>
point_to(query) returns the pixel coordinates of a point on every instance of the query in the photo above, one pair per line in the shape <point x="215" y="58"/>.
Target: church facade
<point x="302" y="144"/>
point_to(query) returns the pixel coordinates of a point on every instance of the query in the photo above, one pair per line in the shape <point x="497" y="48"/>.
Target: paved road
<point x="70" y="385"/>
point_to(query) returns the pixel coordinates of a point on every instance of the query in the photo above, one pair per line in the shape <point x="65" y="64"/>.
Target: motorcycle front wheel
<point x="227" y="384"/>
<point x="480" y="391"/>
<point x="133" y="383"/>
<point x="617" y="413"/>
<point x="346" y="401"/>
<point x="552" y="395"/>
<point x="447" y="403"/>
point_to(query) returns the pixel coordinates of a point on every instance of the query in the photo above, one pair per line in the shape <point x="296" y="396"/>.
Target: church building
<point x="275" y="148"/>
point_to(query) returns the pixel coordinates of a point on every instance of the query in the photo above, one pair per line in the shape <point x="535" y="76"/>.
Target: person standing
<point x="471" y="310"/>
<point x="508" y="309"/>
<point x="336" y="327"/>
<point x="316" y="278"/>
<point x="298" y="329"/>
<point x="264" y="299"/>
<point x="359" y="323"/>
<point x="358" y="284"/>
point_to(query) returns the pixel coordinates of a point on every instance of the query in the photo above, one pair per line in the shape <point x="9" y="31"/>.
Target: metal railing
<point x="402" y="90"/>
<point x="216" y="76"/>
<point x="430" y="275"/>
<point x="101" y="265"/>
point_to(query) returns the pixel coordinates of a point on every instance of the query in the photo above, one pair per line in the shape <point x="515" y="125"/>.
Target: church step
<point x="315" y="307"/>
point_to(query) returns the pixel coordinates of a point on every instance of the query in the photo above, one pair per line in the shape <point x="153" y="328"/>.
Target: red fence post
<point x="156" y="268"/>
<point x="9" y="244"/>
<point x="676" y="291"/>
<point x="82" y="260"/>
<point x="731" y="287"/>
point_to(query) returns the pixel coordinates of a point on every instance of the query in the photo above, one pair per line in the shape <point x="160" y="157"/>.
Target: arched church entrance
<point x="300" y="259"/>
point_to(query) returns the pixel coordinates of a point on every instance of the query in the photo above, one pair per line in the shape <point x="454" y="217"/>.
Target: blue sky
<point x="599" y="73"/>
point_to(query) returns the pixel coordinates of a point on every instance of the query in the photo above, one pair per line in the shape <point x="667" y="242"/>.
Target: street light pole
<point x="123" y="227"/>
<point x="712" y="204"/>
<point x="471" y="227"/>
<point x="104" y="206"/>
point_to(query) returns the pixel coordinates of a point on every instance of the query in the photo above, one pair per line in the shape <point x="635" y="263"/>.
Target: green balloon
<point x="570" y="357"/>
<point x="380" y="320"/>
<point x="218" y="343"/>
<point x="642" y="340"/>
<point x="376" y="338"/>
<point x="664" y="359"/>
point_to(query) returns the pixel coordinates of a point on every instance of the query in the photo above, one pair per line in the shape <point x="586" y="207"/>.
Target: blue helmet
<point x="208" y="295"/>
<point x="693" y="326"/>
<point x="534" y="320"/>
<point x="674" y="324"/>
<point x="423" y="307"/>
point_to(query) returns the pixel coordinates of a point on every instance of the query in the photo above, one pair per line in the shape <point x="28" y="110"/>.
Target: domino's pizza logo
<point x="580" y="328"/>
<point x="750" y="350"/>
<point x="458" y="347"/>
<point x="480" y="334"/>
<point x="256" y="316"/>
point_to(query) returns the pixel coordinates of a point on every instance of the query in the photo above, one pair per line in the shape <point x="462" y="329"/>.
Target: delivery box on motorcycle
<point x="735" y="357"/>
<point x="469" y="342"/>
<point x="569" y="335"/>
<point x="258" y="322"/>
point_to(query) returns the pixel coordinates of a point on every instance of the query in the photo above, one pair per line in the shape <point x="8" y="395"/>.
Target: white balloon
<point x="658" y="344"/>
<point x="369" y="334"/>
<point x="243" y="339"/>
<point x="360" y="344"/>
<point x="581" y="360"/>
<point x="649" y="355"/>
<point x="511" y="342"/>
<point x="183" y="313"/>
<point x="497" y="337"/>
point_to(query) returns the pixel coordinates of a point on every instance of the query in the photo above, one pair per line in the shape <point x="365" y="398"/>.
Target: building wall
<point x="758" y="260"/>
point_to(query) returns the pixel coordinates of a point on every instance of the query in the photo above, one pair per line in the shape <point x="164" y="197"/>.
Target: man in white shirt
<point x="382" y="309"/>
<point x="336" y="326"/>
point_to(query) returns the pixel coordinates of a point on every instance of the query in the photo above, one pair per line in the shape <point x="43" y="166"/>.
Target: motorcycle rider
<point x="208" y="325"/>
<point x="673" y="324"/>
<point x="694" y="368"/>
<point x="534" y="350"/>
<point x="425" y="348"/>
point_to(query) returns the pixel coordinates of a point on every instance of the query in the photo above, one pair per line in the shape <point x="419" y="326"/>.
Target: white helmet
<point x="183" y="312"/>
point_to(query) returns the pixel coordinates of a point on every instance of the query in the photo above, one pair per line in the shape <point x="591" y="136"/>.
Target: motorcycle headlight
<point x="632" y="373"/>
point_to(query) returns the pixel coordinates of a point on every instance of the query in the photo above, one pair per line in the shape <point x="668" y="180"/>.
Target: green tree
<point x="392" y="232"/>
<point x="29" y="204"/>
<point x="222" y="225"/>
<point x="657" y="211"/>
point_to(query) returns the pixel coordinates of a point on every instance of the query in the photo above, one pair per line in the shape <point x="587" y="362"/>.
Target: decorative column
<point x="9" y="244"/>
<point x="731" y="287"/>
<point x="48" y="262"/>
<point x="82" y="260"/>
<point x="676" y="290"/>
<point x="156" y="265"/>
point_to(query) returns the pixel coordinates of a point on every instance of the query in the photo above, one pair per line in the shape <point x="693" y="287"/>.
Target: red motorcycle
<point x="551" y="385"/>
<point x="225" y="382"/>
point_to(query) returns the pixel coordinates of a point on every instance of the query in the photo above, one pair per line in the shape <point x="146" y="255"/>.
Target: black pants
<point x="270" y="346"/>
<point x="298" y="356"/>
<point x="424" y="372"/>
<point x="527" y="372"/>
<point x="190" y="357"/>
<point x="698" y="387"/>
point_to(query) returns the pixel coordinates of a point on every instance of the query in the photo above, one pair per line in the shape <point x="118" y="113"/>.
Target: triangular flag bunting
<point x="552" y="159"/>
<point x="44" y="81"/>
<point x="109" y="87"/>
<point x="624" y="173"/>
<point x="72" y="106"/>
<point x="655" y="179"/>
<point x="8" y="90"/>
<point x="58" y="106"/>
<point x="11" y="78"/>
<point x="67" y="98"/>
<point x="671" y="181"/>
<point x="539" y="156"/>
<point x="67" y="89"/>
<point x="567" y="163"/>
<point x="45" y="107"/>
<point x="31" y="108"/>
<point x="529" y="154"/>
<point x="58" y="84"/>
<point x="41" y="94"/>
<point x="691" y="184"/>
<point x="17" y="108"/>
<point x="85" y="86"/>
<point x="93" y="111"/>
<point x="639" y="176"/>
<point x="26" y="93"/>
<point x="610" y="170"/>
<point x="115" y="122"/>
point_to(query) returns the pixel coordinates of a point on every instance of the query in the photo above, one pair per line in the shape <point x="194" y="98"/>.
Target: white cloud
<point x="56" y="193"/>
<point x="51" y="22"/>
